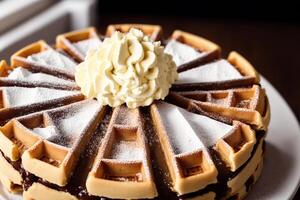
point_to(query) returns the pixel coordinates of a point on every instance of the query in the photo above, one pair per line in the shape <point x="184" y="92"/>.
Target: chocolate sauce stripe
<point x="249" y="183"/>
<point x="188" y="104"/>
<point x="20" y="83"/>
<point x="73" y="49"/>
<point x="15" y="164"/>
<point x="218" y="85"/>
<point x="9" y="113"/>
<point x="198" y="62"/>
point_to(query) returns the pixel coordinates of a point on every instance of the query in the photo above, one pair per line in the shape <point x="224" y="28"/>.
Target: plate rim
<point x="267" y="84"/>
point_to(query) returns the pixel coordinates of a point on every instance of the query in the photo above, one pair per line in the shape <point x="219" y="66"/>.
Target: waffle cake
<point x="204" y="141"/>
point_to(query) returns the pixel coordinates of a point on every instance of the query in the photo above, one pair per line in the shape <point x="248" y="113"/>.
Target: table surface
<point x="273" y="48"/>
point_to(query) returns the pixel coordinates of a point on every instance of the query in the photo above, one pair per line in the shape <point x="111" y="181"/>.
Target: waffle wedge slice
<point x="75" y="188"/>
<point x="189" y="163"/>
<point x="77" y="43"/>
<point x="249" y="105"/>
<point x="236" y="71"/>
<point x="123" y="160"/>
<point x="41" y="57"/>
<point x="51" y="140"/>
<point x="60" y="152"/>
<point x="186" y="139"/>
<point x="189" y="50"/>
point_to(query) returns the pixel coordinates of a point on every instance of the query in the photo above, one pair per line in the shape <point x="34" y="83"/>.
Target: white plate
<point x="281" y="173"/>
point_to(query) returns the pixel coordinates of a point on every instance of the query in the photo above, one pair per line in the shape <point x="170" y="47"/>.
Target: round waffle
<point x="204" y="141"/>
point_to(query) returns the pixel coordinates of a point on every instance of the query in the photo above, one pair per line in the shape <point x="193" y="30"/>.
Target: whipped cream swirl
<point x="127" y="68"/>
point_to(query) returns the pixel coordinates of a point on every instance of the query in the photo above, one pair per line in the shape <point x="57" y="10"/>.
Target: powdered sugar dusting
<point x="73" y="121"/>
<point x="126" y="116"/>
<point x="181" y="134"/>
<point x="127" y="150"/>
<point x="220" y="70"/>
<point x="23" y="74"/>
<point x="221" y="101"/>
<point x="20" y="96"/>
<point x="188" y="131"/>
<point x="45" y="132"/>
<point x="84" y="45"/>
<point x="77" y="118"/>
<point x="207" y="130"/>
<point x="182" y="53"/>
<point x="53" y="59"/>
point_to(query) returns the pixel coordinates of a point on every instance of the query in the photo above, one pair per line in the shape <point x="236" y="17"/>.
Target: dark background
<point x="267" y="34"/>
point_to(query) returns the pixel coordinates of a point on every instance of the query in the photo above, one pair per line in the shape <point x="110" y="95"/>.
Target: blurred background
<point x="268" y="35"/>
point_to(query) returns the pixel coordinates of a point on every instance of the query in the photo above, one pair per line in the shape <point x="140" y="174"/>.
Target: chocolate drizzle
<point x="209" y="57"/>
<point x="220" y="85"/>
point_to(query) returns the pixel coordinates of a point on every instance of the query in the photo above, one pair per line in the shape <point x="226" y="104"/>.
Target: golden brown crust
<point x="242" y="192"/>
<point x="235" y="149"/>
<point x="243" y="65"/>
<point x="249" y="105"/>
<point x="132" y="176"/>
<point x="19" y="59"/>
<point x="204" y="171"/>
<point x="4" y="68"/>
<point x="211" y="50"/>
<point x="10" y="177"/>
<point x="39" y="191"/>
<point x="59" y="161"/>
<point x="64" y="41"/>
<point x="196" y="41"/>
<point x="154" y="31"/>
<point x="236" y="183"/>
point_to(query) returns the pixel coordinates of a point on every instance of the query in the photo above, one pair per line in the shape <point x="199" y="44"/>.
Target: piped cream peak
<point x="127" y="68"/>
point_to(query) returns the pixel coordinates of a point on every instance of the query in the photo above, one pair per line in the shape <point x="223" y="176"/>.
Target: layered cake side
<point x="205" y="140"/>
